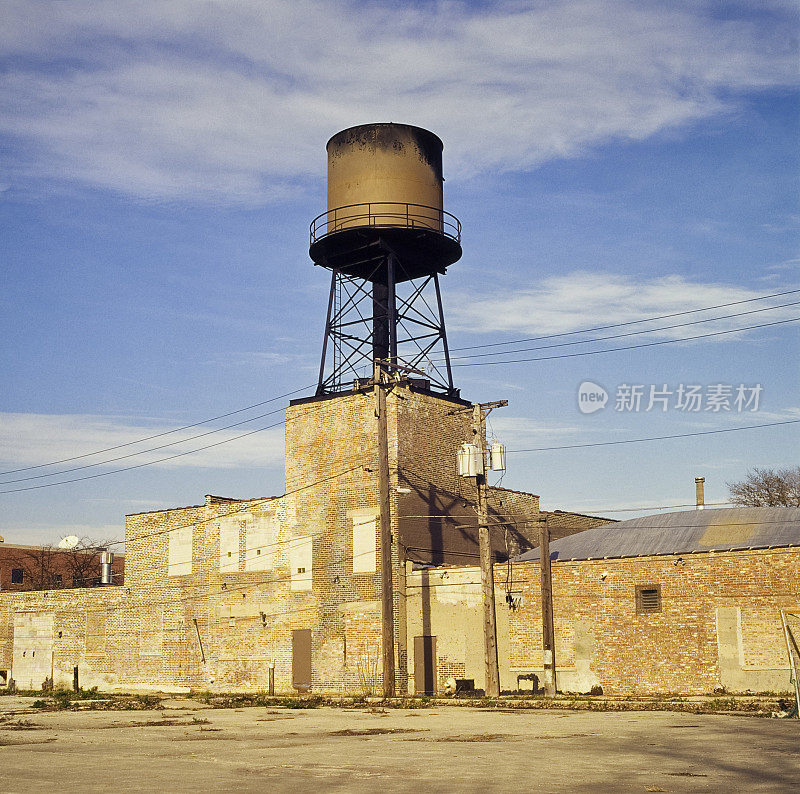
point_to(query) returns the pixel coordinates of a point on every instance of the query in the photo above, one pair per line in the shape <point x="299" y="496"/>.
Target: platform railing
<point x="385" y="214"/>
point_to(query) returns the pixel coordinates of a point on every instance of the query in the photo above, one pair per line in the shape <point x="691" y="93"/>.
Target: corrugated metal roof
<point x="686" y="532"/>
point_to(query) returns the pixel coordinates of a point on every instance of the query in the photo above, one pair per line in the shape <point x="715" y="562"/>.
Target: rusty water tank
<point x="386" y="174"/>
<point x="385" y="183"/>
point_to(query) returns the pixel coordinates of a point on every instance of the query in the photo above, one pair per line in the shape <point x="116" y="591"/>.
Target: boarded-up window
<point x="96" y="630"/>
<point x="229" y="544"/>
<point x="180" y="552"/>
<point x="258" y="543"/>
<point x="648" y="598"/>
<point x="300" y="563"/>
<point x="151" y="630"/>
<point x="364" y="544"/>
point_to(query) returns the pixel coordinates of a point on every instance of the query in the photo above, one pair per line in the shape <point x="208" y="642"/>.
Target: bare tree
<point x="767" y="488"/>
<point x="40" y="567"/>
<point x="50" y="567"/>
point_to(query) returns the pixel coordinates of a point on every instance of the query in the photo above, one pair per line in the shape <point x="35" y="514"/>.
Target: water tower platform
<point x="355" y="240"/>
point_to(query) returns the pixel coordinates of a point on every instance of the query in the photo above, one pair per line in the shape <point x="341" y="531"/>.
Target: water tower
<point x="386" y="239"/>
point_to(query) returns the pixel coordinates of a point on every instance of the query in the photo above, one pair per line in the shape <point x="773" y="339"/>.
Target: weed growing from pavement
<point x="91" y="700"/>
<point x="513" y="703"/>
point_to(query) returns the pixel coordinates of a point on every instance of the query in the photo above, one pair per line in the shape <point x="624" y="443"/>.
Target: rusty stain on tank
<point x="379" y="171"/>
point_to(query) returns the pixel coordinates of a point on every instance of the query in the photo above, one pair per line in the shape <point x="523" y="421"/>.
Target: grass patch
<point x="66" y="700"/>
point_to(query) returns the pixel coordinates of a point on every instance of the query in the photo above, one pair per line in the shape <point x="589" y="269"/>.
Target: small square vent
<point x="648" y="598"/>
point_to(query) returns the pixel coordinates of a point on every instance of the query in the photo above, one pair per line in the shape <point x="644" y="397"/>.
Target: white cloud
<point x="35" y="439"/>
<point x="580" y="300"/>
<point x="519" y="432"/>
<point x="223" y="101"/>
<point x="51" y="534"/>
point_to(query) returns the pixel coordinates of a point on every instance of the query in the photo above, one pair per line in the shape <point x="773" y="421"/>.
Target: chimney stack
<point x="106" y="560"/>
<point x="699" y="492"/>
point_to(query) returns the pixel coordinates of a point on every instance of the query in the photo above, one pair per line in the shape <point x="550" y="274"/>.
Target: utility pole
<point x="387" y="569"/>
<point x="548" y="629"/>
<point x="479" y="414"/>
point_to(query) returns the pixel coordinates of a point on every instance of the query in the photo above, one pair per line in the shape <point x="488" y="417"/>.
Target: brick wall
<point x="201" y="608"/>
<point x="719" y="623"/>
<point x="562" y="523"/>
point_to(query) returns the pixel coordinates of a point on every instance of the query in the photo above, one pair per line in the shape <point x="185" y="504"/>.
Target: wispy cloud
<point x="232" y="101"/>
<point x="530" y="432"/>
<point x="580" y="300"/>
<point x="35" y="439"/>
<point x="51" y="534"/>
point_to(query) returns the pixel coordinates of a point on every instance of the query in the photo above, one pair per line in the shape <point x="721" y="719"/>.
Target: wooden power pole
<point x="548" y="629"/>
<point x="479" y="412"/>
<point x="387" y="568"/>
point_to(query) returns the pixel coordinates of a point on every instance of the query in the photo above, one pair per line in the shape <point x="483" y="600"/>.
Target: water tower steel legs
<point x="384" y="315"/>
<point x="443" y="331"/>
<point x="365" y="320"/>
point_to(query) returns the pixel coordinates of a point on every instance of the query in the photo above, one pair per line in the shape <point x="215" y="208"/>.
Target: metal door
<point x="425" y="665"/>
<point x="301" y="660"/>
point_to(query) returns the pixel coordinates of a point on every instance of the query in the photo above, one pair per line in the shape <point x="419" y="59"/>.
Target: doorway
<point x="301" y="660"/>
<point x="425" y="665"/>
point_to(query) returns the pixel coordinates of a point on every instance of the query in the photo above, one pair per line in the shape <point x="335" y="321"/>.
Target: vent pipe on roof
<point x="700" y="492"/>
<point x="106" y="560"/>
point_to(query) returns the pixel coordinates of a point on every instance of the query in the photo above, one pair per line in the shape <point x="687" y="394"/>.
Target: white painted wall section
<point x="300" y="563"/>
<point x="229" y="529"/>
<point x="364" y="544"/>
<point x="180" y="551"/>
<point x="259" y="537"/>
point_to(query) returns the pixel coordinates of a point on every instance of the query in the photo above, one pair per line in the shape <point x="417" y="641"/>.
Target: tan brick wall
<point x="146" y="634"/>
<point x="562" y="523"/>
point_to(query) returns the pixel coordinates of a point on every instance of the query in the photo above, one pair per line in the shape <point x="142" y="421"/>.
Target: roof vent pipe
<point x="699" y="492"/>
<point x="106" y="560"/>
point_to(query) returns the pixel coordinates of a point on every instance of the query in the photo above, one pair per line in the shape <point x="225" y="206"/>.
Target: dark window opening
<point x="3" y="677"/>
<point x="58" y="580"/>
<point x="17" y="575"/>
<point x="648" y="598"/>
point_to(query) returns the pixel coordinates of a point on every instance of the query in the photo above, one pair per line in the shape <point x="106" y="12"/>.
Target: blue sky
<point x="609" y="161"/>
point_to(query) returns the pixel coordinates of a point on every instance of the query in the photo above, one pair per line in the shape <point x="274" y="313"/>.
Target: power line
<point x="303" y="388"/>
<point x="657" y="438"/>
<point x="630" y="333"/>
<point x="140" y="452"/>
<point x="628" y="347"/>
<point x="148" y="463"/>
<point x="157" y="435"/>
<point x="140" y="465"/>
<point x="629" y="322"/>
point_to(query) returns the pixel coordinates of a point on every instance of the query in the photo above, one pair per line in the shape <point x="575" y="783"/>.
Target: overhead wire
<point x="141" y="452"/>
<point x="303" y="388"/>
<point x="627" y="323"/>
<point x="628" y="333"/>
<point x="628" y="347"/>
<point x="158" y="435"/>
<point x="656" y="438"/>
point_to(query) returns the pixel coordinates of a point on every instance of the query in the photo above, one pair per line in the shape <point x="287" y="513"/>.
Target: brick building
<point x="217" y="593"/>
<point x="685" y="602"/>
<point x="50" y="568"/>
